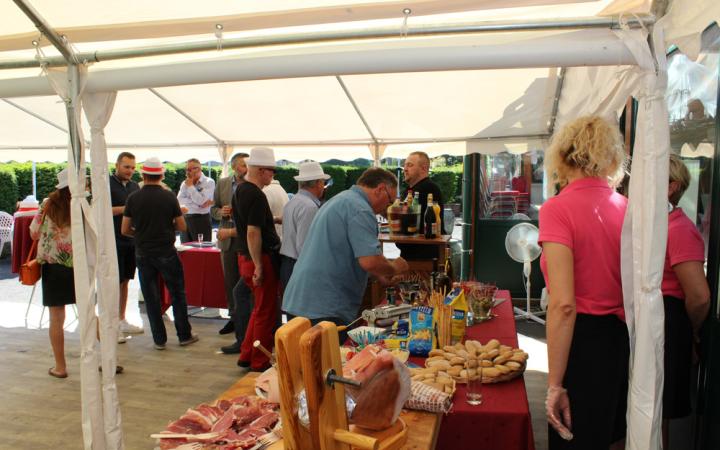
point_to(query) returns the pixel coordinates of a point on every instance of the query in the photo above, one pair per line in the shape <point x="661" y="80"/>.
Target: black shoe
<point x="261" y="369"/>
<point x="228" y="328"/>
<point x="118" y="369"/>
<point x="243" y="364"/>
<point x="232" y="349"/>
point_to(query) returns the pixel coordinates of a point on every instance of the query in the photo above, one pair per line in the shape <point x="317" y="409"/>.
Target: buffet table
<point x="502" y="421"/>
<point x="21" y="241"/>
<point x="204" y="281"/>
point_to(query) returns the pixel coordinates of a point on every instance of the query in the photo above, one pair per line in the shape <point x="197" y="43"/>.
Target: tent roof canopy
<point x="402" y="90"/>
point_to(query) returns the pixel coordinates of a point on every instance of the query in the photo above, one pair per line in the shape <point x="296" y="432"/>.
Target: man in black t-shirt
<point x="121" y="186"/>
<point x="416" y="171"/>
<point x="258" y="250"/>
<point x="151" y="216"/>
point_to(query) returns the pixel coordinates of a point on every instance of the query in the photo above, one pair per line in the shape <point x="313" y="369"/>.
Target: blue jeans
<point x="242" y="296"/>
<point x="170" y="268"/>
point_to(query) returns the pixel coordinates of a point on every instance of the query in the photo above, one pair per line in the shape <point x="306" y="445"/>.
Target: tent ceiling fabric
<point x="287" y="110"/>
<point x="93" y="21"/>
<point x="254" y="101"/>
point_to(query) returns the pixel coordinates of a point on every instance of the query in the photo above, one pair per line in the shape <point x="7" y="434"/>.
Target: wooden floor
<point x="41" y="412"/>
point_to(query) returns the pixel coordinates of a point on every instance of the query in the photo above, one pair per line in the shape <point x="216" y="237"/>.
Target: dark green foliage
<point x="8" y="190"/>
<point x="46" y="178"/>
<point x="285" y="174"/>
<point x="23" y="172"/>
<point x="339" y="180"/>
<point x="352" y="174"/>
<point x="446" y="179"/>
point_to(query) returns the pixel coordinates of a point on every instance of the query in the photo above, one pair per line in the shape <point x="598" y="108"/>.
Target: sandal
<point x="55" y="374"/>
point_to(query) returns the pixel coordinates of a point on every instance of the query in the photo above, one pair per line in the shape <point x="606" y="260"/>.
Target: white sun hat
<point x="261" y="157"/>
<point x="153" y="166"/>
<point x="311" y="170"/>
<point x="62" y="178"/>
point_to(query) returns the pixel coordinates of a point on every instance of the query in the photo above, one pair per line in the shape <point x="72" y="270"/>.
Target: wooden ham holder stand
<point x="305" y="356"/>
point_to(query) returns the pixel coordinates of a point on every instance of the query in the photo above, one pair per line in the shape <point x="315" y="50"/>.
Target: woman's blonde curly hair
<point x="590" y="144"/>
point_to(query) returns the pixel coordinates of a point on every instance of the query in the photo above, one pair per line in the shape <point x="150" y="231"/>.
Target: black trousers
<point x="196" y="224"/>
<point x="596" y="379"/>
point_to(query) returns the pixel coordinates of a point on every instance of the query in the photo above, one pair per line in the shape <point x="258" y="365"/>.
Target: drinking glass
<point x="473" y="394"/>
<point x="200" y="237"/>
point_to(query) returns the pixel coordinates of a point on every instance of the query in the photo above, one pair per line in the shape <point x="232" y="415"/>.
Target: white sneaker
<point x="129" y="328"/>
<point x="121" y="337"/>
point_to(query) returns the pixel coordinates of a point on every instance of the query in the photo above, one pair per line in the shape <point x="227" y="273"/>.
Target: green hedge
<point x="8" y="190"/>
<point x="449" y="179"/>
<point x="285" y="176"/>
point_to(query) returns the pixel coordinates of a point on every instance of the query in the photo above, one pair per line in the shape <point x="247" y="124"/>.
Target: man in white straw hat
<point x="258" y="255"/>
<point x="298" y="214"/>
<point x="152" y="215"/>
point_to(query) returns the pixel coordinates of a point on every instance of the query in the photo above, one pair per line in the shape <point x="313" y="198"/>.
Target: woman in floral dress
<point x="52" y="227"/>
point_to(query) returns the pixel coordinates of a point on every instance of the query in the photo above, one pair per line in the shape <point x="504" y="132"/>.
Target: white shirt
<point x="195" y="196"/>
<point x="277" y="198"/>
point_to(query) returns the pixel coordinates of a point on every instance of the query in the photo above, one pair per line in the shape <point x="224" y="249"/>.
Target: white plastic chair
<point x="6" y="225"/>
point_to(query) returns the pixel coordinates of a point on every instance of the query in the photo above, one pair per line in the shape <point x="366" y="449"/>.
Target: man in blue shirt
<point x="341" y="249"/>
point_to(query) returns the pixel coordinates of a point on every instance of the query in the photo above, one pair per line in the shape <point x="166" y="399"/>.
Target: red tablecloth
<point x="502" y="421"/>
<point x="21" y="241"/>
<point x="204" y="281"/>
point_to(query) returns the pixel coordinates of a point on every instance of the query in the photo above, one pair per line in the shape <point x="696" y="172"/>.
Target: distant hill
<point x="359" y="162"/>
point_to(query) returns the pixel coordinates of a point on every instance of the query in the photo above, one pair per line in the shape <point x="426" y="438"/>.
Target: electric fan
<point x="521" y="243"/>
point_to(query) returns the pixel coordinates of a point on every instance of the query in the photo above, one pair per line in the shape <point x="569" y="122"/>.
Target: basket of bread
<point x="496" y="362"/>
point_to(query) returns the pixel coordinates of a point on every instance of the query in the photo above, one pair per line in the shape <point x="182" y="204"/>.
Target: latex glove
<point x="557" y="408"/>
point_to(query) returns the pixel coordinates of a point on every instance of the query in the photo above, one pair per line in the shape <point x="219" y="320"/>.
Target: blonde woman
<point x="52" y="227"/>
<point x="588" y="347"/>
<point x="686" y="297"/>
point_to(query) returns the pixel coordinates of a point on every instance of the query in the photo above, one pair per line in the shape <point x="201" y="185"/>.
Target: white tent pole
<point x="34" y="180"/>
<point x="93" y="426"/>
<point x="186" y="115"/>
<point x="586" y="48"/>
<point x="556" y="100"/>
<point x="357" y="109"/>
<point x="339" y="33"/>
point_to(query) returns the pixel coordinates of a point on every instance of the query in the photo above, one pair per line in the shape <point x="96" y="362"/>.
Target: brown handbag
<point x="30" y="269"/>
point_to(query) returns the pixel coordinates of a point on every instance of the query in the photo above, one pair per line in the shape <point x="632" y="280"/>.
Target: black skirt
<point x="678" y="359"/>
<point x="58" y="285"/>
<point x="596" y="379"/>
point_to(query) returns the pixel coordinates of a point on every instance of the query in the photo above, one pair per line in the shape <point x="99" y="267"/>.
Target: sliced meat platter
<point x="229" y="424"/>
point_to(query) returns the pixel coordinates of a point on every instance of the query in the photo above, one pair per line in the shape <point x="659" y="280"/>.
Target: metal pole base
<point x="522" y="314"/>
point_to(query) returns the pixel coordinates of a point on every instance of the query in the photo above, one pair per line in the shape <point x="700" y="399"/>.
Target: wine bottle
<point x="430" y="219"/>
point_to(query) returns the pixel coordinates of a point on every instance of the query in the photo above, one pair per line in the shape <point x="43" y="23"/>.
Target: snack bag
<point x="456" y="300"/>
<point x="422" y="337"/>
<point x="398" y="336"/>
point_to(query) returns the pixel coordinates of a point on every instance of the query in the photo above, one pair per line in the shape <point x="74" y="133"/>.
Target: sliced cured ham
<point x="229" y="424"/>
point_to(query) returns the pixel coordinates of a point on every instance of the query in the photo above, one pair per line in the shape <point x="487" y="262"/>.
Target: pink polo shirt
<point x="587" y="216"/>
<point x="684" y="244"/>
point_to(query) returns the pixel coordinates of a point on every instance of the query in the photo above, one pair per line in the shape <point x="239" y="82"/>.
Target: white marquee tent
<point x="342" y="78"/>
